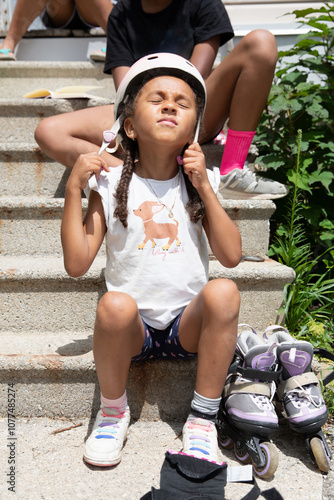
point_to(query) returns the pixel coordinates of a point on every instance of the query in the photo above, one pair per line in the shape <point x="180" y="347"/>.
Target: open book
<point x="72" y="92"/>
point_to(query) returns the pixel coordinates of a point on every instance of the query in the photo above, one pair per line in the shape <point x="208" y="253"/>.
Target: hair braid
<point x="194" y="207"/>
<point x="122" y="190"/>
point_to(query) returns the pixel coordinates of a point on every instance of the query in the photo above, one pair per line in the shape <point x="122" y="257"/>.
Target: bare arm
<point x="223" y="235"/>
<point x="81" y="240"/>
<point x="204" y="55"/>
<point x="118" y="74"/>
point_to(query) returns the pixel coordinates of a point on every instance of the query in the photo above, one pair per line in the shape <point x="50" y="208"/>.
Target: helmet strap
<point x="110" y="135"/>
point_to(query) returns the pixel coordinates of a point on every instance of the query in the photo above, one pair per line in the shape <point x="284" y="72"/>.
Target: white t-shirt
<point x="161" y="262"/>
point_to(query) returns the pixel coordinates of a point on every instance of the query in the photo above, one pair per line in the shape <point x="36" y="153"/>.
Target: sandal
<point x="7" y="55"/>
<point x="98" y="55"/>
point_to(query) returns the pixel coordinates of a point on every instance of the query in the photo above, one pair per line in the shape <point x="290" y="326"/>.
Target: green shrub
<point x="302" y="98"/>
<point x="301" y="103"/>
<point x="309" y="300"/>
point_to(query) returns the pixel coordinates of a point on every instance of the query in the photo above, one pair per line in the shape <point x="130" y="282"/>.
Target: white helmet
<point x="143" y="70"/>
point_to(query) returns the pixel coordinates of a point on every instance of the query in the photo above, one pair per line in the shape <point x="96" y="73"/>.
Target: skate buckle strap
<point x="244" y="387"/>
<point x="255" y="374"/>
<point x="297" y="382"/>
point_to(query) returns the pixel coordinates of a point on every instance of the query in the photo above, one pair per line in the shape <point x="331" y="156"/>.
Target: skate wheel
<point x="320" y="455"/>
<point x="226" y="442"/>
<point x="242" y="455"/>
<point x="271" y="457"/>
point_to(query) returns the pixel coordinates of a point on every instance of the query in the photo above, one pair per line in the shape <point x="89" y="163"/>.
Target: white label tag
<point x="241" y="474"/>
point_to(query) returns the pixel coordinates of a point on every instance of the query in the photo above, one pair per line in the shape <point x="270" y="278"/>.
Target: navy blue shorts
<point x="163" y="344"/>
<point x="75" y="22"/>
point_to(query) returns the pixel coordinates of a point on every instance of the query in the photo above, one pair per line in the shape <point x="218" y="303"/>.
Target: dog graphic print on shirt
<point x="156" y="230"/>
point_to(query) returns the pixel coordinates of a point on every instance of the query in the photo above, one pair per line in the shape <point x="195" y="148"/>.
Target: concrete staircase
<point x="46" y="318"/>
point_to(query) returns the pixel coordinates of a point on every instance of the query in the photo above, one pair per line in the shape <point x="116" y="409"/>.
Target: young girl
<point x="152" y="211"/>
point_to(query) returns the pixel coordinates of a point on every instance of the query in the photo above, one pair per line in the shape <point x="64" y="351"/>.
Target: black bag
<point x="188" y="478"/>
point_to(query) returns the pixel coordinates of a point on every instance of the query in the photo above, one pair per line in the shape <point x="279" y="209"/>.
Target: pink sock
<point x="236" y="150"/>
<point x="120" y="403"/>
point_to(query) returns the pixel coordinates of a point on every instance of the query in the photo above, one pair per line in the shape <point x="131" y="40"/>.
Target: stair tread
<point x="61" y="343"/>
<point x="52" y="267"/>
<point x="77" y="69"/>
<point x="35" y="201"/>
<point x="18" y="106"/>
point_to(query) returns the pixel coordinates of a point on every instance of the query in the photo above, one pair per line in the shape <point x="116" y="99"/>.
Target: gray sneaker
<point x="244" y="184"/>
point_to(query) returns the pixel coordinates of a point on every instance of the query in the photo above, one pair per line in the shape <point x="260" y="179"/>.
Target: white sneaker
<point x="244" y="184"/>
<point x="104" y="445"/>
<point x="200" y="439"/>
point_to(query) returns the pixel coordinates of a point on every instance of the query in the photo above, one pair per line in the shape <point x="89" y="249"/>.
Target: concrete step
<point x="20" y="117"/>
<point x="31" y="225"/>
<point x="23" y="77"/>
<point x="68" y="381"/>
<point x="38" y="295"/>
<point x="27" y="171"/>
<point x="46" y="325"/>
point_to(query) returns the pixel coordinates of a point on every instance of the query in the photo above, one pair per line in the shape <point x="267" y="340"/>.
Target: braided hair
<point x="194" y="207"/>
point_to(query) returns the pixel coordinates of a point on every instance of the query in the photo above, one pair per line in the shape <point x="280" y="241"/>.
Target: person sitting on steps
<point x="237" y="89"/>
<point x="181" y="315"/>
<point x="60" y="14"/>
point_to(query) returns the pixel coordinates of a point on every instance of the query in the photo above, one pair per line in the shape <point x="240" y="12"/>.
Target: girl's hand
<point x="194" y="166"/>
<point x="86" y="165"/>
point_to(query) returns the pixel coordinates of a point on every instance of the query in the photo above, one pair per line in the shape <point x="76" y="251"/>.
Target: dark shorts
<point x="163" y="344"/>
<point x="74" y="23"/>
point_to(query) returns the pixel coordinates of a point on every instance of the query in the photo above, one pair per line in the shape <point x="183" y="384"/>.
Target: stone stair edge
<point x="57" y="362"/>
<point x="51" y="268"/>
<point x="50" y="362"/>
<point x="17" y="107"/>
<point x="43" y="32"/>
<point x="22" y="147"/>
<point x="22" y="203"/>
<point x="52" y="69"/>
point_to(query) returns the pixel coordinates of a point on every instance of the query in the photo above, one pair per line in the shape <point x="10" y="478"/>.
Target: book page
<point x="70" y="92"/>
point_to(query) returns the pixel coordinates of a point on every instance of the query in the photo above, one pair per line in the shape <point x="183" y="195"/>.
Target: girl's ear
<point x="129" y="129"/>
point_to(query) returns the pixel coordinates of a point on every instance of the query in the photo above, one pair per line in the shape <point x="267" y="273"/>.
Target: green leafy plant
<point x="328" y="393"/>
<point x="309" y="300"/>
<point x="302" y="98"/>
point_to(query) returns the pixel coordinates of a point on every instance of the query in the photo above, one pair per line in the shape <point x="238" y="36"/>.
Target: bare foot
<point x="7" y="55"/>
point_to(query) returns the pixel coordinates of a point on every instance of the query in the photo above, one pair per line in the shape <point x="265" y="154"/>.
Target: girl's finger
<point x="194" y="147"/>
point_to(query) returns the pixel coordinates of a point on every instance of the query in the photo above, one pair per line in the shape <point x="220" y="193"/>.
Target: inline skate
<point x="299" y="395"/>
<point x="247" y="416"/>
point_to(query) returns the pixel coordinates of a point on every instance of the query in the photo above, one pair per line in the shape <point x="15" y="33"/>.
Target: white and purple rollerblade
<point x="299" y="392"/>
<point x="247" y="416"/>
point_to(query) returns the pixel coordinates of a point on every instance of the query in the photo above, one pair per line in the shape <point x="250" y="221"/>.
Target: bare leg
<point x="238" y="89"/>
<point x="23" y="15"/>
<point x="95" y="12"/>
<point x="209" y="326"/>
<point x="118" y="336"/>
<point x="59" y="11"/>
<point x="64" y="137"/>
